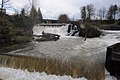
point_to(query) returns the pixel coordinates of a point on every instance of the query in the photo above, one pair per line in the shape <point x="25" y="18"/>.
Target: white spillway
<point x="62" y="31"/>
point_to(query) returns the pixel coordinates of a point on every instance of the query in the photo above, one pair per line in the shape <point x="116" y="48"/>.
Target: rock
<point x="90" y="32"/>
<point x="69" y="28"/>
<point x="85" y="30"/>
<point x="48" y="37"/>
<point x="72" y="30"/>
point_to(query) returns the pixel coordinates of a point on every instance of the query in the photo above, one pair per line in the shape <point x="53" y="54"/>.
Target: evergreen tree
<point x="101" y="13"/>
<point x="39" y="16"/>
<point x="33" y="14"/>
<point x="23" y="12"/>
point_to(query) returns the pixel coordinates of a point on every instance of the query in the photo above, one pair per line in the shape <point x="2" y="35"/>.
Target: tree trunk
<point x="2" y="5"/>
<point x="114" y="16"/>
<point x="86" y="32"/>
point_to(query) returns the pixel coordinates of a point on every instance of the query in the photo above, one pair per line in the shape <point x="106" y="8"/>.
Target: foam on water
<point x="17" y="74"/>
<point x="62" y="31"/>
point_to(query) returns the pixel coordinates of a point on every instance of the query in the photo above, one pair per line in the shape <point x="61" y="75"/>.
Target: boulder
<point x="83" y="30"/>
<point x="89" y="32"/>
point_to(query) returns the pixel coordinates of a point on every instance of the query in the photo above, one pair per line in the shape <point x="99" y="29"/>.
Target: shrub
<point x="63" y="18"/>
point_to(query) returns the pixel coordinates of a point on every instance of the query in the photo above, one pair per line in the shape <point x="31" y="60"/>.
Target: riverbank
<point x="12" y="47"/>
<point x="14" y="31"/>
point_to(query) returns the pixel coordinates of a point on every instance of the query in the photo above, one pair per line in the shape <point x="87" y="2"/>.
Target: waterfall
<point x="51" y="66"/>
<point x="62" y="31"/>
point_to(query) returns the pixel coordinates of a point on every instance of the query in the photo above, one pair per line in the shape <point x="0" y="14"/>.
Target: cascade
<point x="50" y="66"/>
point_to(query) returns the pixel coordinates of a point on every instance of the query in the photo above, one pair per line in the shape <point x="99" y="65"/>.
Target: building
<point x="50" y="21"/>
<point x="95" y="17"/>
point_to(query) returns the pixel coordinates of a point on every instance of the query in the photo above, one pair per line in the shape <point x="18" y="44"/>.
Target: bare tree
<point x="31" y="5"/>
<point x="90" y="11"/>
<point x="102" y="12"/>
<point x="33" y="2"/>
<point x="3" y="3"/>
<point x="112" y="11"/>
<point x="83" y="13"/>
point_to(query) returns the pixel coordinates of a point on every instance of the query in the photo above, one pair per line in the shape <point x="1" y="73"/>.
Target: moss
<point x="22" y="39"/>
<point x="42" y="39"/>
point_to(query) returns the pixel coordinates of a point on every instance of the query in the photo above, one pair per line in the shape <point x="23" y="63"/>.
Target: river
<point x="70" y="55"/>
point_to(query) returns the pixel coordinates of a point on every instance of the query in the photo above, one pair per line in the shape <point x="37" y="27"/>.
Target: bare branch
<point x="5" y="1"/>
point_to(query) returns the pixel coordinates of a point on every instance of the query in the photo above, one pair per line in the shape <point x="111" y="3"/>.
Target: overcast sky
<point x="53" y="8"/>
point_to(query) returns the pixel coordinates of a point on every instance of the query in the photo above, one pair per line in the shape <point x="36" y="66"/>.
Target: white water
<point x="17" y="74"/>
<point x="62" y="31"/>
<point x="95" y="48"/>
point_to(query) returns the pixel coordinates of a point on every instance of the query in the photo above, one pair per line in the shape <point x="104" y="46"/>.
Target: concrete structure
<point x="2" y="10"/>
<point x="112" y="63"/>
<point x="51" y="24"/>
